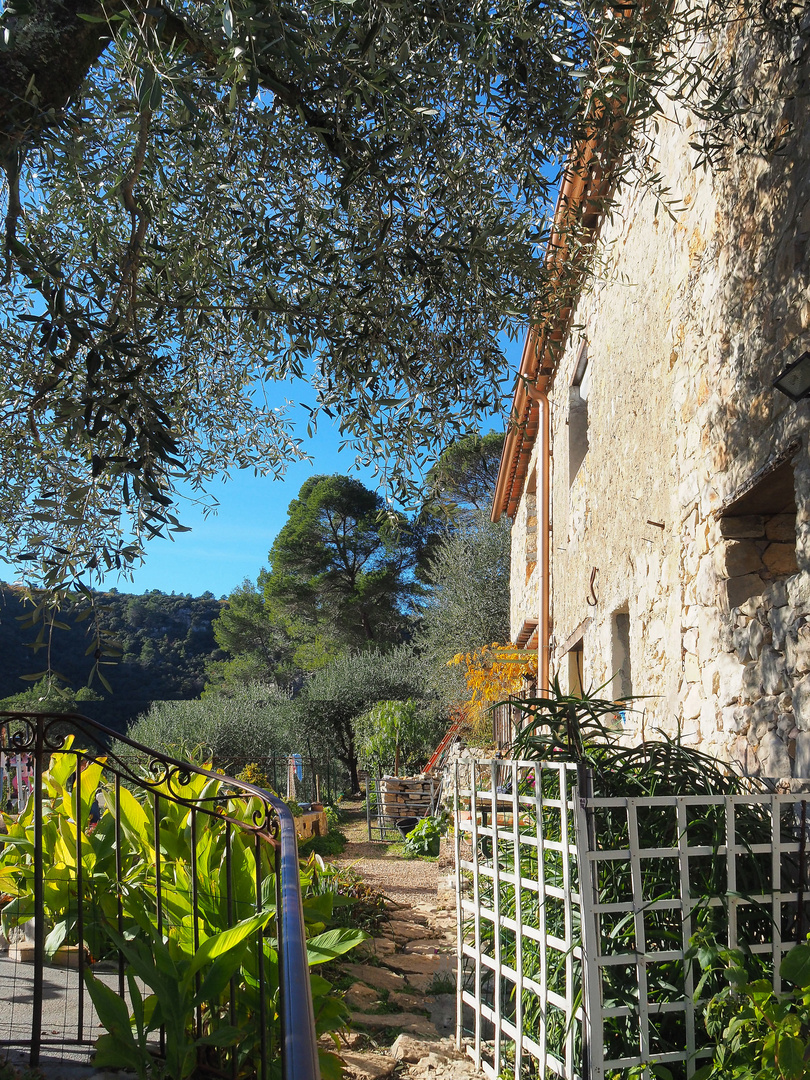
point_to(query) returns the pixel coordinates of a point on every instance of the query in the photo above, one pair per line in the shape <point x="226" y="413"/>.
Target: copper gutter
<point x="546" y="335"/>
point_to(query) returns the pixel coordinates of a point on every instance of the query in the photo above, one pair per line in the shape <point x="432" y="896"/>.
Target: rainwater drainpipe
<point x="540" y="395"/>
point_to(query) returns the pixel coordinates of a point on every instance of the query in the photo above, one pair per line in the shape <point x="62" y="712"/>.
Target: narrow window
<point x="620" y="654"/>
<point x="578" y="414"/>
<point x="576" y="669"/>
<point x="572" y="657"/>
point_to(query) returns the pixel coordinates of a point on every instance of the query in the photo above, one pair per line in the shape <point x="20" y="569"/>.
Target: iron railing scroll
<point x="192" y="809"/>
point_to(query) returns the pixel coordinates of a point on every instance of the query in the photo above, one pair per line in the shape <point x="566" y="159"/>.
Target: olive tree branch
<point x="138" y="217"/>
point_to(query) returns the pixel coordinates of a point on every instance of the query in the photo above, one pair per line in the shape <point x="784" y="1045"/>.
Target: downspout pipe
<point x="538" y="362"/>
<point x="540" y="395"/>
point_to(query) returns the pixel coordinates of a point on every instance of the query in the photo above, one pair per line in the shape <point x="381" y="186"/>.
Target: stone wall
<point x="694" y="315"/>
<point x="524" y="569"/>
<point x="406" y="796"/>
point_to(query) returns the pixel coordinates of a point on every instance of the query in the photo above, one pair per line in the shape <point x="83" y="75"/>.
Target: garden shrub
<point x="757" y="1033"/>
<point x="356" y="903"/>
<point x="424" y="838"/>
<point x="255" y="774"/>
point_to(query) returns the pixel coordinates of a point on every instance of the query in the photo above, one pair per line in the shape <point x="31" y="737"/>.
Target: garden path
<point x="402" y="985"/>
<point x="399" y="985"/>
<point x="406" y="882"/>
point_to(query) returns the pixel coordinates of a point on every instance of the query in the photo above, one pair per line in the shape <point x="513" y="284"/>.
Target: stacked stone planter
<point x="405" y="796"/>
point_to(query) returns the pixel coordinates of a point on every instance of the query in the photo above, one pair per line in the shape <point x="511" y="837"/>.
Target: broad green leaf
<point x="220" y="973"/>
<point x="134" y="819"/>
<point x="89" y="780"/>
<point x="333" y="943"/>
<point x="112" y="1052"/>
<point x="111" y="1009"/>
<point x="703" y="1073"/>
<point x="18" y="842"/>
<point x="227" y="939"/>
<point x="61" y="767"/>
<point x="330" y="1014"/>
<point x="790" y="1057"/>
<point x="796" y="965"/>
<point x="319" y="986"/>
<point x="56" y="938"/>
<point x="65" y="849"/>
<point x="8" y="880"/>
<point x="318" y="908"/>
<point x="331" y="1065"/>
<point x="224" y="1036"/>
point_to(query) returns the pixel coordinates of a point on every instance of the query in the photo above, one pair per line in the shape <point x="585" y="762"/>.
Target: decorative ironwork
<point x="255" y="825"/>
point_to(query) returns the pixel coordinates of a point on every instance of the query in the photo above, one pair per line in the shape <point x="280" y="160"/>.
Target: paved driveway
<point x="60" y="1013"/>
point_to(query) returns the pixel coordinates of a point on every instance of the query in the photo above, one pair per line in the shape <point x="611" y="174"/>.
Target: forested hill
<point x="166" y="642"/>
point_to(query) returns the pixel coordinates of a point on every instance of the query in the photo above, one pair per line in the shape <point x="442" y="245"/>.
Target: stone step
<point x="364" y="1065"/>
<point x="400" y="1021"/>
<point x="418" y="964"/>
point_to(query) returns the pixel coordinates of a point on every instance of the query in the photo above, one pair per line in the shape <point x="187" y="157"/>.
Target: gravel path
<point x="407" y="882"/>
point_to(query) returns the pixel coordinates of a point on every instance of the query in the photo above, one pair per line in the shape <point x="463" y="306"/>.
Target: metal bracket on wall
<point x="593" y="602"/>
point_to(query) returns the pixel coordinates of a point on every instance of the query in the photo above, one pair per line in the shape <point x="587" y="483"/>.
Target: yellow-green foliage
<point x="185" y="974"/>
<point x="255" y="774"/>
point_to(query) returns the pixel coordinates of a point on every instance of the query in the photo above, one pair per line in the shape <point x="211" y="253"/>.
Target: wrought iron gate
<point x="180" y="850"/>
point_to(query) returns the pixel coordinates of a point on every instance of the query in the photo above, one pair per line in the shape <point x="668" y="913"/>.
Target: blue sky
<point x="221" y="550"/>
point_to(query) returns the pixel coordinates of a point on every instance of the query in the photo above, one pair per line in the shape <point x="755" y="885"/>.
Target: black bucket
<point x="406" y="824"/>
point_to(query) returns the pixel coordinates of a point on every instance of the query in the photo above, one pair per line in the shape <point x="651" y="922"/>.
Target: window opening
<point x="759" y="534"/>
<point x="578" y="432"/>
<point x="576" y="669"/>
<point x="620" y="654"/>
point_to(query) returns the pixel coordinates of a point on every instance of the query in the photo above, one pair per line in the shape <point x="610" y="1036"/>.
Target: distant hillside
<point x="166" y="643"/>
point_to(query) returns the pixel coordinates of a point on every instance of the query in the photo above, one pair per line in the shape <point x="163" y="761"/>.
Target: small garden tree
<point x="337" y="696"/>
<point x="395" y="736"/>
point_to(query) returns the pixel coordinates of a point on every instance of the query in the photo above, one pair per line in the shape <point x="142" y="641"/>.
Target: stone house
<point x="658" y="482"/>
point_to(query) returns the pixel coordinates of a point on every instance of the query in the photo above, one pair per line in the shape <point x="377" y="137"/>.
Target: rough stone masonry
<point x="680" y="505"/>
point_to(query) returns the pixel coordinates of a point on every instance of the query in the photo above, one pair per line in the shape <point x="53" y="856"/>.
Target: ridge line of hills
<point x="166" y="641"/>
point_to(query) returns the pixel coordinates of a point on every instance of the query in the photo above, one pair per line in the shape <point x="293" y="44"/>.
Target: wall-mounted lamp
<point x="795" y="379"/>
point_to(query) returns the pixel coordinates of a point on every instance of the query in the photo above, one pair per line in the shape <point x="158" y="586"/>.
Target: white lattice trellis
<point x="518" y="926"/>
<point x="593" y="980"/>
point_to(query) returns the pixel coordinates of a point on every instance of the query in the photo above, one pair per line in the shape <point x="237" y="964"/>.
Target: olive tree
<point x="205" y="204"/>
<point x="251" y="723"/>
<point x="339" y="694"/>
<point x="466" y="603"/>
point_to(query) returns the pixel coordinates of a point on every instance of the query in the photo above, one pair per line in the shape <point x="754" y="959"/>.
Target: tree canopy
<point x="466" y="602"/>
<point x="257" y="645"/>
<point x="205" y="204"/>
<point x="341" y="570"/>
<point x="463" y="479"/>
<point x="163" y="646"/>
<point x="247" y="725"/>
<point x="346" y="688"/>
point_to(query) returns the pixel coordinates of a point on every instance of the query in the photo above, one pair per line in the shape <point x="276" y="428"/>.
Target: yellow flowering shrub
<point x="493" y="673"/>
